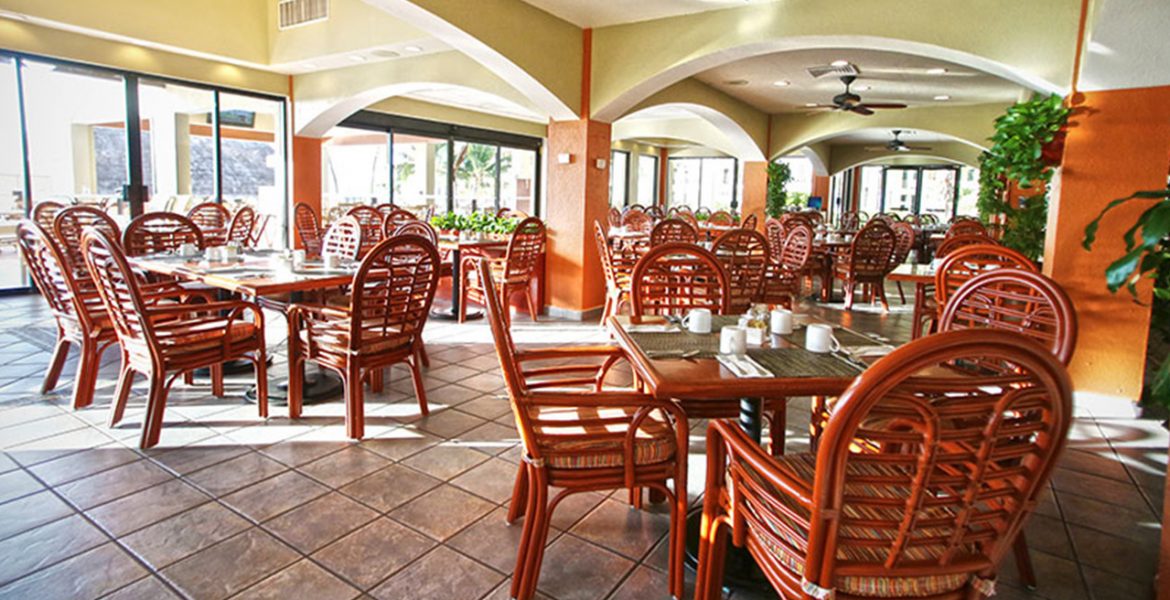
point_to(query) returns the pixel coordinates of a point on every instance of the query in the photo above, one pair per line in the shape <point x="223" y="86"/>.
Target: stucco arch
<point x="744" y="126"/>
<point x="537" y="53"/>
<point x="999" y="37"/>
<point x="854" y="155"/>
<point x="691" y="130"/>
<point x="325" y="98"/>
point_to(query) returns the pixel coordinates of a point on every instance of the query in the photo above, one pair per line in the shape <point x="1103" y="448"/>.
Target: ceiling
<point x="599" y="13"/>
<point x="880" y="135"/>
<point x="892" y="77"/>
<point x="472" y="99"/>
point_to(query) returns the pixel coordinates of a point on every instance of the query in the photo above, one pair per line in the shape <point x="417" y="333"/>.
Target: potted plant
<point x="1147" y="256"/>
<point x="1026" y="147"/>
<point x="779" y="174"/>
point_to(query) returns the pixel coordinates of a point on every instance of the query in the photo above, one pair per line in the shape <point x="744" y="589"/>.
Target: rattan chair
<point x="617" y="265"/>
<point x="614" y="217"/>
<point x="926" y="473"/>
<point x="578" y="437"/>
<point x="370" y="220"/>
<point x="153" y="233"/>
<point x="673" y="230"/>
<point x="701" y="213"/>
<point x="385" y="208"/>
<point x="960" y="265"/>
<point x="750" y="221"/>
<point x="345" y="238"/>
<point x="672" y="279"/>
<point x="515" y="271"/>
<point x="721" y="218"/>
<point x="309" y="228"/>
<point x="257" y="233"/>
<point x="744" y="255"/>
<point x="213" y="219"/>
<point x="637" y="220"/>
<point x="783" y="280"/>
<point x="655" y="212"/>
<point x="903" y="243"/>
<point x="241" y="226"/>
<point x="44" y="212"/>
<point x="850" y="221"/>
<point x="966" y="226"/>
<point x="952" y="243"/>
<point x="866" y="263"/>
<point x="68" y="226"/>
<point x="394" y="219"/>
<point x="164" y="341"/>
<point x="391" y="298"/>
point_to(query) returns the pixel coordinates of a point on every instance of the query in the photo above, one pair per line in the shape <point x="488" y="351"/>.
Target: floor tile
<point x="172" y="539"/>
<point x="298" y="451"/>
<point x="493" y="480"/>
<point x="319" y="522"/>
<point x="644" y="584"/>
<point x="442" y="512"/>
<point x="230" y="566"/>
<point x="302" y="580"/>
<point x="1111" y="553"/>
<point x="147" y="588"/>
<point x="192" y="458"/>
<point x="400" y="442"/>
<point x="372" y="553"/>
<point x="492" y="438"/>
<point x="151" y="505"/>
<point x="31" y="511"/>
<point x="389" y="488"/>
<point x="441" y="575"/>
<point x="15" y="484"/>
<point x="574" y="569"/>
<point x="449" y="423"/>
<point x="48" y="544"/>
<point x="82" y="464"/>
<point x="59" y="445"/>
<point x="88" y="575"/>
<point x="226" y="477"/>
<point x="446" y="460"/>
<point x="492" y="541"/>
<point x="113" y="483"/>
<point x="342" y="467"/>
<point x="270" y="497"/>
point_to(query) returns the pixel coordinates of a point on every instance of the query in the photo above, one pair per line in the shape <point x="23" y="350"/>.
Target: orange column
<point x="306" y="177"/>
<point x="663" y="165"/>
<point x="578" y="195"/>
<point x="820" y="187"/>
<point x="1118" y="144"/>
<point x="755" y="189"/>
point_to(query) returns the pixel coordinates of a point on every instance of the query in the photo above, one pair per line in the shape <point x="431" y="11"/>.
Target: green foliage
<point x="477" y="222"/>
<point x="779" y="174"/>
<point x="1147" y="256"/>
<point x="476" y="166"/>
<point x="1017" y="155"/>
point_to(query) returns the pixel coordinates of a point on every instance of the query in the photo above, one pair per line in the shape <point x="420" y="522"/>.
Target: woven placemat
<point x="798" y="362"/>
<point x="660" y="344"/>
<point x="847" y="338"/>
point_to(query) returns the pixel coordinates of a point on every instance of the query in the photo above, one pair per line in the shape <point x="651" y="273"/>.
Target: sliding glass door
<point x="12" y="193"/>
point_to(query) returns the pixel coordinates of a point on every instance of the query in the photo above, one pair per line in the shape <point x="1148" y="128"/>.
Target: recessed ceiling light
<point x="413" y="48"/>
<point x="839" y="63"/>
<point x="309" y="65"/>
<point x="780" y="83"/>
<point x="810" y="104"/>
<point x="357" y="58"/>
<point x="936" y="71"/>
<point x="942" y="98"/>
<point x="383" y="53"/>
<point x="736" y="82"/>
<point x="863" y="88"/>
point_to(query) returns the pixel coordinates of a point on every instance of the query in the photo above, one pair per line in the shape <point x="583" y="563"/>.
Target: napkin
<point x="743" y="366"/>
<point x="652" y="328"/>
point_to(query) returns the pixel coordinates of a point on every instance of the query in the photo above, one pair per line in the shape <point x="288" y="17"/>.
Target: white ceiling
<point x="599" y="13"/>
<point x="892" y="77"/>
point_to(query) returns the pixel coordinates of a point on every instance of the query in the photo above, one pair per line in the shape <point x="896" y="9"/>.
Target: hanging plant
<point x="1027" y="145"/>
<point x="779" y="174"/>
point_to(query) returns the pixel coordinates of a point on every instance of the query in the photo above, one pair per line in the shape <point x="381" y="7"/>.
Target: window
<point x="647" y="188"/>
<point x="251" y="133"/>
<point x="355" y="169"/>
<point x="968" y="191"/>
<point x="518" y="179"/>
<point x="476" y="175"/>
<point x="619" y="178"/>
<point x="802" y="174"/>
<point x="718" y="184"/>
<point x="178" y="156"/>
<point x="420" y="172"/>
<point x="900" y="191"/>
<point x="925" y="190"/>
<point x="871" y="190"/>
<point x="938" y="192"/>
<point x="12" y="192"/>
<point x="684" y="181"/>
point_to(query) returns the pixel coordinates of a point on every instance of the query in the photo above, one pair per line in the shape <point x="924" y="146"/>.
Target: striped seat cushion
<point x="791" y="536"/>
<point x="566" y="443"/>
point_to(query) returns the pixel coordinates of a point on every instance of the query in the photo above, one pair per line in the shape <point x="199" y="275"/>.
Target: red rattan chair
<point x="344" y="239"/>
<point x="309" y="228"/>
<point x="580" y="438"/>
<point x="903" y="243"/>
<point x="616" y="265"/>
<point x="614" y="217"/>
<point x="257" y="233"/>
<point x="850" y="221"/>
<point x="655" y="212"/>
<point x="966" y="226"/>
<point x="385" y="208"/>
<point x="783" y="280"/>
<point x="370" y="220"/>
<point x="750" y="221"/>
<point x="213" y="219"/>
<point x="160" y="232"/>
<point x="744" y="255"/>
<point x="163" y="341"/>
<point x="68" y="226"/>
<point x="952" y="243"/>
<point x="392" y="294"/>
<point x="701" y="213"/>
<point x="43" y="213"/>
<point x="637" y="220"/>
<point x="689" y="217"/>
<point x="925" y="475"/>
<point x="959" y="266"/>
<point x="673" y="230"/>
<point x="774" y="231"/>
<point x="721" y="218"/>
<point x="866" y="262"/>
<point x="672" y="279"/>
<point x="394" y="219"/>
<point x="241" y="226"/>
<point x="515" y="272"/>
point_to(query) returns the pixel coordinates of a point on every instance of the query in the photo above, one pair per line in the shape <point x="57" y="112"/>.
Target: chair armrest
<point x="741" y="448"/>
<point x="232" y="307"/>
<point x="567" y="352"/>
<point x="318" y="311"/>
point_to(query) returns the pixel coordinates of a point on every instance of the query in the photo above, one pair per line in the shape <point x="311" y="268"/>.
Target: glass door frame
<point x="916" y="205"/>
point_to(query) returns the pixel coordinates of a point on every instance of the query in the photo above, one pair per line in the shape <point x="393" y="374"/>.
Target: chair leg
<point x="377" y="380"/>
<point x="354" y="415"/>
<point x="217" y="380"/>
<point x="155" y="405"/>
<point x="901" y="292"/>
<point x="1024" y="561"/>
<point x="849" y="295"/>
<point x="880" y="291"/>
<point x="60" y="353"/>
<point x="777" y="428"/>
<point x="420" y="391"/>
<point x="87" y="372"/>
<point x="463" y="278"/>
<point x="712" y="554"/>
<point x="530" y="296"/>
<point x="121" y="392"/>
<point x="262" y="382"/>
<point x="421" y="351"/>
<point x="519" y="495"/>
<point x="296" y="384"/>
<point x="539" y="516"/>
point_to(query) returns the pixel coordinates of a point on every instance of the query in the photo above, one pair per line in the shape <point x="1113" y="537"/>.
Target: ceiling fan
<point x="896" y="145"/>
<point x="848" y="101"/>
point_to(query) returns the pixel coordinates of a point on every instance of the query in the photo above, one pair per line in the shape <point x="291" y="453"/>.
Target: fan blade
<point x="918" y="148"/>
<point x="876" y="148"/>
<point x="884" y="105"/>
<point x="860" y="109"/>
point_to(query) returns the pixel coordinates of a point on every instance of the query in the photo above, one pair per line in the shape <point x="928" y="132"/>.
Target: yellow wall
<point x="33" y="39"/>
<point x="845" y="156"/>
<point x="352" y="25"/>
<point x="748" y="126"/>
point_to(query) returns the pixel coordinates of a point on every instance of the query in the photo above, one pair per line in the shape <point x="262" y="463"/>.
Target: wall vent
<point x="294" y="13"/>
<point x="825" y="70"/>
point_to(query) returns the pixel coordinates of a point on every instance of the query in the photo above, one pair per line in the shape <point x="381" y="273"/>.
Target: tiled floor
<point x="232" y="506"/>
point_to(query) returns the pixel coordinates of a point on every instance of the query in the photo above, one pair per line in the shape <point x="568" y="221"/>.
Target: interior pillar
<point x="755" y="189"/>
<point x="1118" y="143"/>
<point x="820" y="187"/>
<point x="578" y="195"/>
<point x="663" y="166"/>
<point x="306" y="178"/>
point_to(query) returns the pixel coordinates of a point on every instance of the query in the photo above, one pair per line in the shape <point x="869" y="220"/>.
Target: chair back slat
<point x="525" y="249"/>
<point x="309" y="228"/>
<point x="721" y="218"/>
<point x="636" y="219"/>
<point x="45" y="211"/>
<point x="966" y="226"/>
<point x="345" y="238"/>
<point x="240" y="228"/>
<point x="744" y="256"/>
<point x="903" y="243"/>
<point x="370" y="220"/>
<point x="614" y="217"/>
<point x="967" y="262"/>
<point x="393" y="289"/>
<point x="952" y="243"/>
<point x="395" y="218"/>
<point x="68" y="227"/>
<point x="750" y="221"/>
<point x="50" y="270"/>
<point x="419" y="228"/>
<point x="672" y="279"/>
<point x="797" y="248"/>
<point x="160" y="232"/>
<point x="871" y="249"/>
<point x="117" y="284"/>
<point x="673" y="230"/>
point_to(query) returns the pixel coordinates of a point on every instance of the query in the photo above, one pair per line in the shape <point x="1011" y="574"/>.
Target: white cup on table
<point x="732" y="340"/>
<point x="231" y="251"/>
<point x="781" y="321"/>
<point x="331" y="261"/>
<point x="698" y="320"/>
<point x="188" y="249"/>
<point x="215" y="254"/>
<point x="298" y="258"/>
<point x="818" y="338"/>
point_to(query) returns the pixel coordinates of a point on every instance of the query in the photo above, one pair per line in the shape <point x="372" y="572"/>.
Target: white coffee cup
<point x="818" y="338"/>
<point x="332" y="261"/>
<point x="231" y="251"/>
<point x="188" y="249"/>
<point x="698" y="320"/>
<point x="781" y="321"/>
<point x="215" y="254"/>
<point x="732" y="340"/>
<point x="298" y="257"/>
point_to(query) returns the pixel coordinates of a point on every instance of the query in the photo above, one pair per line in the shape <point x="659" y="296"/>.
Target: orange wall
<point x="820" y="187"/>
<point x="755" y="189"/>
<point x="1119" y="143"/>
<point x="663" y="164"/>
<point x="306" y="176"/>
<point x="578" y="195"/>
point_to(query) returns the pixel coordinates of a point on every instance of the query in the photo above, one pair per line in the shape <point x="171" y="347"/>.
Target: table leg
<point x="456" y="297"/>
<point x="318" y="385"/>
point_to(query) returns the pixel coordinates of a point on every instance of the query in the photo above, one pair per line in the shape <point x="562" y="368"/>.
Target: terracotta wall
<point x="820" y="187"/>
<point x="1119" y="143"/>
<point x="306" y="177"/>
<point x="755" y="189"/>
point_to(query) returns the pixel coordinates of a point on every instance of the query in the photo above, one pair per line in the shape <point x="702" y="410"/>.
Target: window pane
<point x="355" y="169"/>
<point x="177" y="145"/>
<point x="938" y="193"/>
<point x="647" y="179"/>
<point x="518" y="180"/>
<point x="968" y="191"/>
<point x="683" y="180"/>
<point x="871" y="190"/>
<point x="475" y="177"/>
<point x="901" y="187"/>
<point x="252" y="158"/>
<point x="12" y="205"/>
<point x="420" y="173"/>
<point x="619" y="177"/>
<point x="76" y="133"/>
<point x="718" y="188"/>
<point x="802" y="174"/>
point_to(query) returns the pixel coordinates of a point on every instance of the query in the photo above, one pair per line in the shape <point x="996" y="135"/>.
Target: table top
<point x="915" y="273"/>
<point x="253" y="274"/>
<point x="704" y="378"/>
<point x="452" y="243"/>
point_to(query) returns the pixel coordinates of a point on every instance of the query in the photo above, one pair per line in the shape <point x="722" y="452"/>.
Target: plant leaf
<point x="1091" y="228"/>
<point x="1120" y="270"/>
